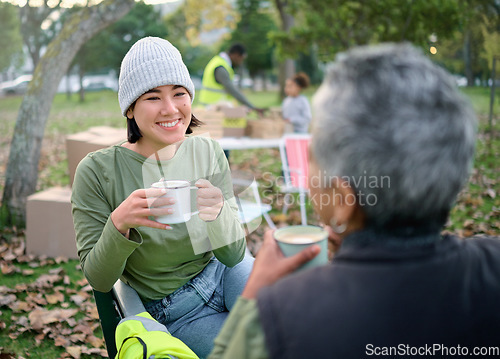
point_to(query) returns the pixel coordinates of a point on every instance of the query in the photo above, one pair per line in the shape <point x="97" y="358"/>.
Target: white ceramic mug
<point x="181" y="192"/>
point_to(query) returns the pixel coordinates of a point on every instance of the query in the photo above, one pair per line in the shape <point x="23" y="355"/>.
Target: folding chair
<point x="120" y="302"/>
<point x="250" y="206"/>
<point x="294" y="159"/>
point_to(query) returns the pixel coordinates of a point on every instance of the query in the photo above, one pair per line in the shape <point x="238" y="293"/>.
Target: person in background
<point x="188" y="289"/>
<point x="392" y="146"/>
<point x="295" y="107"/>
<point x="217" y="81"/>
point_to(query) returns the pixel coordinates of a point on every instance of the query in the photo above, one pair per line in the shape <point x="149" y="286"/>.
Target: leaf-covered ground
<point x="46" y="307"/>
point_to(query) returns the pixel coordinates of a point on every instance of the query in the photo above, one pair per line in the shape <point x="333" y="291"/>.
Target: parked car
<point x="100" y="82"/>
<point x="17" y="86"/>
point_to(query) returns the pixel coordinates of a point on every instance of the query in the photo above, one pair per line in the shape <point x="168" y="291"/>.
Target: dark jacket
<point x="420" y="297"/>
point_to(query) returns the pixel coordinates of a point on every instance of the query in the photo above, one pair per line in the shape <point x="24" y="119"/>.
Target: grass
<point x="477" y="209"/>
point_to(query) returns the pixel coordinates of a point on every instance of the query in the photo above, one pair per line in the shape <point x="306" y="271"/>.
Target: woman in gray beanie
<point x="188" y="274"/>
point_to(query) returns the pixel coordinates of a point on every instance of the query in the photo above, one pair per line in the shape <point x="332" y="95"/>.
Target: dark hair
<point x="301" y="79"/>
<point x="133" y="132"/>
<point x="237" y="49"/>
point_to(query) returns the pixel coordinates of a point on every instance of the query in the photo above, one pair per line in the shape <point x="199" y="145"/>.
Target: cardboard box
<point x="49" y="224"/>
<point x="276" y="113"/>
<point x="235" y="121"/>
<point x="266" y="128"/>
<point x="95" y="138"/>
<point x="234" y="112"/>
<point x="234" y="131"/>
<point x="212" y="123"/>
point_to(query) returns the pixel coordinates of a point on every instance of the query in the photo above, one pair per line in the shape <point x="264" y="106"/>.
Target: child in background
<point x="296" y="109"/>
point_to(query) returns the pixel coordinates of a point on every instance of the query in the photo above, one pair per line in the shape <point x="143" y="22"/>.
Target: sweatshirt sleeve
<point x="222" y="77"/>
<point x="242" y="335"/>
<point x="102" y="249"/>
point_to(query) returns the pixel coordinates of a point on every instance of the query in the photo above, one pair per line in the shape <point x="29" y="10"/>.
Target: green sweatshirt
<point x="242" y="335"/>
<point x="154" y="262"/>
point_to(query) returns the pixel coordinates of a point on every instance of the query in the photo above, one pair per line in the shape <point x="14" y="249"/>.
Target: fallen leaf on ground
<point x="7" y="299"/>
<point x="40" y="317"/>
<point x="74" y="351"/>
<point x="57" y="297"/>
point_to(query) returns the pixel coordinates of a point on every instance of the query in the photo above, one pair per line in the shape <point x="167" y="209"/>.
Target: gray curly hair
<point x="388" y="112"/>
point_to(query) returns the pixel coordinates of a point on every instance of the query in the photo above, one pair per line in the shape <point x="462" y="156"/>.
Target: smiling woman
<point x="164" y="114"/>
<point x="189" y="276"/>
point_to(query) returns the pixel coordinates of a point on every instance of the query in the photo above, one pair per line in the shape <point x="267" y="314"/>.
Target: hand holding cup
<point x="209" y="200"/>
<point x="135" y="209"/>
<point x="271" y="264"/>
<point x="177" y="200"/>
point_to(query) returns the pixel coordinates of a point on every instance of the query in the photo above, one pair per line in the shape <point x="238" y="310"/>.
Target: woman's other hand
<point x="209" y="200"/>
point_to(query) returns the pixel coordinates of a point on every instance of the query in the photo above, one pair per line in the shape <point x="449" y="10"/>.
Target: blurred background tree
<point x="195" y="55"/>
<point x="207" y="16"/>
<point x="475" y="12"/>
<point x="256" y="22"/>
<point x="25" y="148"/>
<point x="10" y="41"/>
<point x="336" y="25"/>
<point x="35" y="17"/>
<point x="106" y="50"/>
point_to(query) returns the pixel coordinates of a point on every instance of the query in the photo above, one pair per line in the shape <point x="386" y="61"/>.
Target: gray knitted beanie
<point x="151" y="62"/>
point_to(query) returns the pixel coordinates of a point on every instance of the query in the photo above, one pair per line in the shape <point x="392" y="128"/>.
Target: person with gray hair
<point x="392" y="146"/>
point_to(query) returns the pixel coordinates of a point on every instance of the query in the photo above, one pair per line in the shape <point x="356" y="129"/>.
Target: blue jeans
<point x="195" y="312"/>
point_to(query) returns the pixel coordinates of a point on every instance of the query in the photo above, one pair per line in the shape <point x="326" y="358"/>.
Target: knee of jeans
<point x="243" y="268"/>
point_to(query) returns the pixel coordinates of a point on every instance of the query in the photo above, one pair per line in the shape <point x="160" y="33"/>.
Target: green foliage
<point x="195" y="57"/>
<point x="308" y="63"/>
<point x="10" y="41"/>
<point x="207" y="16"/>
<point x="107" y="49"/>
<point x="252" y="30"/>
<point x="469" y="51"/>
<point x="336" y="25"/>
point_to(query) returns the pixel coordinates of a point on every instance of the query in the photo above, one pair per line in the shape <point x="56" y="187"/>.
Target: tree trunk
<point x="469" y="74"/>
<point x="68" y="85"/>
<point x="287" y="67"/>
<point x="264" y="80"/>
<point x="80" y="78"/>
<point x="22" y="168"/>
<point x="286" y="70"/>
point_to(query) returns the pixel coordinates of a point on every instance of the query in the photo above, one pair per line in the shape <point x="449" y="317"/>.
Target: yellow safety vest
<point x="213" y="92"/>
<point x="142" y="337"/>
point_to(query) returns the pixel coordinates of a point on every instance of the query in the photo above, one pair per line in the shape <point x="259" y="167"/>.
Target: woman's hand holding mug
<point x="138" y="206"/>
<point x="209" y="200"/>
